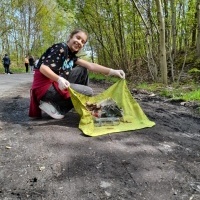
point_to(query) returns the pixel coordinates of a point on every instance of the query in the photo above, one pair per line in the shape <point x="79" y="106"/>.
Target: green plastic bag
<point x="133" y="117"/>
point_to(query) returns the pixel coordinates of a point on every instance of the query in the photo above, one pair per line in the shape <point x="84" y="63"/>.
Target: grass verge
<point x="186" y="92"/>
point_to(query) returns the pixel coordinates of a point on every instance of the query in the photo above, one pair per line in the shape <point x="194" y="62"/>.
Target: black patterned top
<point x="58" y="58"/>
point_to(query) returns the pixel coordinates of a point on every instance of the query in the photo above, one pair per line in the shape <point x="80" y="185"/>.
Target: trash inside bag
<point x="105" y="113"/>
<point x="114" y="110"/>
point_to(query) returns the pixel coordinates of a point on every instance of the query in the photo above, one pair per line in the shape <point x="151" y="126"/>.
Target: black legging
<point x="78" y="78"/>
<point x="7" y="70"/>
<point x="26" y="65"/>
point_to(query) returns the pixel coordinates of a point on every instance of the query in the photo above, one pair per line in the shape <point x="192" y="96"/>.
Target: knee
<point x="85" y="90"/>
<point x="88" y="92"/>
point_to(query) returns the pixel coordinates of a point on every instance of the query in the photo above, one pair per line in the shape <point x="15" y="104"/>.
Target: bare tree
<point x="162" y="47"/>
<point x="198" y="27"/>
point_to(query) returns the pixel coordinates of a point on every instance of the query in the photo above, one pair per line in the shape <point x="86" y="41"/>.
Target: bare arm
<point x="101" y="69"/>
<point x="93" y="66"/>
<point x="45" y="70"/>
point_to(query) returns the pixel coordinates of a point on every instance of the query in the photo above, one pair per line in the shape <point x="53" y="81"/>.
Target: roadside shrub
<point x="195" y="73"/>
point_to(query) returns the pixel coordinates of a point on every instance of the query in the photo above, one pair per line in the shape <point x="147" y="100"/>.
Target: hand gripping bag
<point x="133" y="116"/>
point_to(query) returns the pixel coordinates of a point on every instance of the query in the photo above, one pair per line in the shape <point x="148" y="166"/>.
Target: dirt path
<point x="51" y="160"/>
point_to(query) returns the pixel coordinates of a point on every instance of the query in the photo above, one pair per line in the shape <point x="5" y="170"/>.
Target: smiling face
<point x="77" y="41"/>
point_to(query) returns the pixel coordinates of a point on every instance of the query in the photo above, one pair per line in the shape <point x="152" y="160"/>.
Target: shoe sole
<point x="53" y="115"/>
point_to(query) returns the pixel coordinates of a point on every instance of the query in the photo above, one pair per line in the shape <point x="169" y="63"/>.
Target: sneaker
<point x="50" y="110"/>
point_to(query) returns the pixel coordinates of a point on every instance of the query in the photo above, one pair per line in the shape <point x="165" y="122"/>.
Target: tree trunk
<point x="162" y="48"/>
<point x="173" y="42"/>
<point x="198" y="28"/>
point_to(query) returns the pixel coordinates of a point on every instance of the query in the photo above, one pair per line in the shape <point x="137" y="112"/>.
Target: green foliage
<point x="190" y="92"/>
<point x="111" y="31"/>
<point x="102" y="78"/>
<point x="98" y="77"/>
<point x="29" y="27"/>
<point x="195" y="73"/>
<point x="194" y="70"/>
<point x="196" y="62"/>
<point x="180" y="58"/>
<point x="150" y="87"/>
<point x="192" y="96"/>
<point x="182" y="94"/>
<point x="117" y="31"/>
<point x="14" y="68"/>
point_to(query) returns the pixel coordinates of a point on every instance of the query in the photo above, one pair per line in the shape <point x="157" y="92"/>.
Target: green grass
<point x="192" y="96"/>
<point x="102" y="78"/>
<point x="14" y="69"/>
<point x="189" y="92"/>
<point x="150" y="87"/>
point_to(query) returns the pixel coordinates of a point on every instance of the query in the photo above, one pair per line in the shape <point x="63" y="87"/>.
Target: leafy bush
<point x="195" y="73"/>
<point x="190" y="92"/>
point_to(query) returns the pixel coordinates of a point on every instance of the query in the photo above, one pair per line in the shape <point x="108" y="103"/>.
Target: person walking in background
<point x="26" y="63"/>
<point x="31" y="63"/>
<point x="58" y="69"/>
<point x="6" y="63"/>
